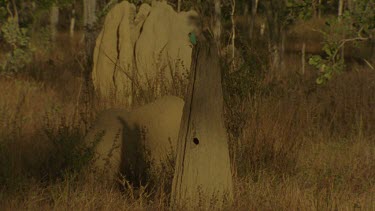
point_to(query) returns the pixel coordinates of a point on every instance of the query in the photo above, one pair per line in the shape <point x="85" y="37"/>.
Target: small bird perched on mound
<point x="193" y="38"/>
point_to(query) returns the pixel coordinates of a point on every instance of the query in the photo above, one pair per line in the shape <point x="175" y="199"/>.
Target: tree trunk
<point x="15" y="10"/>
<point x="282" y="47"/>
<point x="275" y="33"/>
<point x="217" y="21"/>
<point x="89" y="20"/>
<point x="90" y="34"/>
<point x="89" y="8"/>
<point x="72" y="23"/>
<point x="233" y="3"/>
<point x="245" y="11"/>
<point x="202" y="171"/>
<point x="340" y="12"/>
<point x="341" y="8"/>
<point x="351" y="5"/>
<point x="254" y="8"/>
<point x="303" y="57"/>
<point x="262" y="28"/>
<point x="314" y="6"/>
<point x="54" y="20"/>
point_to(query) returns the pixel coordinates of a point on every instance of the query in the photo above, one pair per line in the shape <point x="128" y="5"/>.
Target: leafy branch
<point x="353" y="27"/>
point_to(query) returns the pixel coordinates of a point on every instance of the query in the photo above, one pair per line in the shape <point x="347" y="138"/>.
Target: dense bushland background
<point x="301" y="137"/>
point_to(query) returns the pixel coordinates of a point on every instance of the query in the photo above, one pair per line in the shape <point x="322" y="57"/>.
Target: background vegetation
<point x="300" y="101"/>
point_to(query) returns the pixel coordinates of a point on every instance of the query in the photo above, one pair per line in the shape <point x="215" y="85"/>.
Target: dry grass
<point x="294" y="145"/>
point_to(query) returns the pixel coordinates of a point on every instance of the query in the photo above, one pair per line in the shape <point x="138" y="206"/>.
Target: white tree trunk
<point x="262" y="29"/>
<point x="89" y="8"/>
<point x="276" y="34"/>
<point x="89" y="20"/>
<point x="202" y="171"/>
<point x="341" y="8"/>
<point x="72" y="23"/>
<point x="217" y="21"/>
<point x="340" y="12"/>
<point x="254" y="9"/>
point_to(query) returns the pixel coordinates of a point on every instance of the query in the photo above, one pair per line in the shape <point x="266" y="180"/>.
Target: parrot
<point x="193" y="38"/>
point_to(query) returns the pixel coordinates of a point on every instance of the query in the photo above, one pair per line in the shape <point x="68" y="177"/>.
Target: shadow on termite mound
<point x="135" y="158"/>
<point x="138" y="147"/>
<point x="138" y="170"/>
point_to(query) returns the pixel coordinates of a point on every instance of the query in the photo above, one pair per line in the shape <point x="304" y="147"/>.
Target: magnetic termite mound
<point x="137" y="49"/>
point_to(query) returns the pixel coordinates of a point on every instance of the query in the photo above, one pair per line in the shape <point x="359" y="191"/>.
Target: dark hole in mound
<point x="196" y="141"/>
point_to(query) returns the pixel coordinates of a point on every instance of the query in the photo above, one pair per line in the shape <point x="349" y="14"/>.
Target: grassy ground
<point x="294" y="145"/>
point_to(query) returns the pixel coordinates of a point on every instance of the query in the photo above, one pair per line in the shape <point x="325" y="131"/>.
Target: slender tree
<point x="275" y="18"/>
<point x="15" y="10"/>
<point x="72" y="20"/>
<point x="54" y="20"/>
<point x="217" y="21"/>
<point x="89" y="8"/>
<point x="254" y="9"/>
<point x="303" y="57"/>
<point x="233" y="20"/>
<point x="90" y="34"/>
<point x="89" y="20"/>
<point x="340" y="8"/>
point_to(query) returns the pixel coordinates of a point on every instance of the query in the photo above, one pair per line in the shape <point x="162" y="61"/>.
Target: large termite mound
<point x="163" y="48"/>
<point x="128" y="142"/>
<point x="141" y="50"/>
<point x="113" y="55"/>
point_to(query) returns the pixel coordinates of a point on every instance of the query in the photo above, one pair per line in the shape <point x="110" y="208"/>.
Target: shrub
<point x="18" y="42"/>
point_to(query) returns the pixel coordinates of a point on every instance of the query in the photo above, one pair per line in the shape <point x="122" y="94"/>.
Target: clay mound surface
<point x="137" y="49"/>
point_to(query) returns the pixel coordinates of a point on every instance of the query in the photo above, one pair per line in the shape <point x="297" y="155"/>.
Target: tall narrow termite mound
<point x="202" y="173"/>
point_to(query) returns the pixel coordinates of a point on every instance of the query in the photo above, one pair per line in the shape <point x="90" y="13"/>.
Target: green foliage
<point x="103" y="12"/>
<point x="44" y="4"/>
<point x="328" y="67"/>
<point x="42" y="39"/>
<point x="332" y="62"/>
<point x="3" y="12"/>
<point x="244" y="81"/>
<point x="242" y="84"/>
<point x="297" y="9"/>
<point x="47" y="4"/>
<point x="64" y="3"/>
<point x="352" y="27"/>
<point x="363" y="16"/>
<point x="18" y="41"/>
